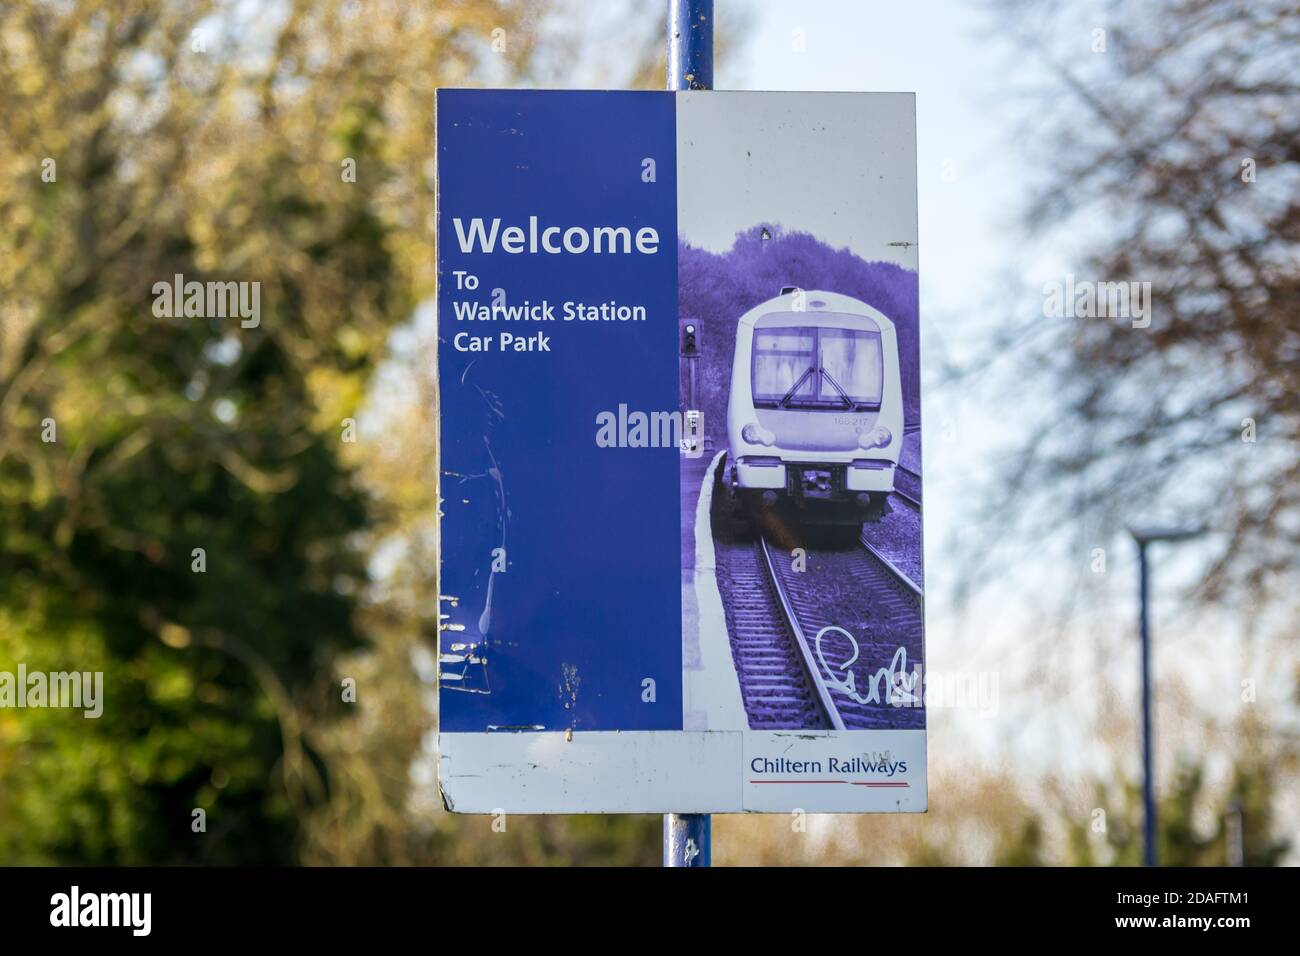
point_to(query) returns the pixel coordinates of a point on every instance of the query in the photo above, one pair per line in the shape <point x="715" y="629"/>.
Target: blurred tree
<point x="1251" y="796"/>
<point x="1174" y="160"/>
<point x="1025" y="848"/>
<point x="974" y="819"/>
<point x="1183" y="837"/>
<point x="289" y="147"/>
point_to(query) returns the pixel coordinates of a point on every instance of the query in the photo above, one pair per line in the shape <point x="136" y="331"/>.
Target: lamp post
<point x="687" y="836"/>
<point x="1144" y="537"/>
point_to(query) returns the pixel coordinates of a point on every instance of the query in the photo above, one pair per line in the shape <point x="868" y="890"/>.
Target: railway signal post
<point x="687" y="836"/>
<point x="691" y="356"/>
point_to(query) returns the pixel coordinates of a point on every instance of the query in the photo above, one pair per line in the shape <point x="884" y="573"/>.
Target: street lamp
<point x="690" y="67"/>
<point x="1143" y="537"/>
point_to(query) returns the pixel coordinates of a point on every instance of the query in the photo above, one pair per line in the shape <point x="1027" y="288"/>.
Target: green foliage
<point x="173" y="433"/>
<point x="290" y="147"/>
<point x="1025" y="848"/>
<point x="1184" y="837"/>
<point x="594" y="840"/>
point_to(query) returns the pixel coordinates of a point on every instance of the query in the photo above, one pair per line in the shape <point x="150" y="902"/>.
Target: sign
<point x="680" y="462"/>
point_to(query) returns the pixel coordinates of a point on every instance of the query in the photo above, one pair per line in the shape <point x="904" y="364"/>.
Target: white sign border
<point x="673" y="772"/>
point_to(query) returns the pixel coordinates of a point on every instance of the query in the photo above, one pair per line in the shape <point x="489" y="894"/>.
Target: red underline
<point x="855" y="783"/>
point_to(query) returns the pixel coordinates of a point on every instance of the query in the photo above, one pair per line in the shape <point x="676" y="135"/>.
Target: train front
<point x="815" y="418"/>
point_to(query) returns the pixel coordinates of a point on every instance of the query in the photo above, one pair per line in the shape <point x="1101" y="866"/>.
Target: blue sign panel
<point x="536" y="339"/>
<point x="680" y="469"/>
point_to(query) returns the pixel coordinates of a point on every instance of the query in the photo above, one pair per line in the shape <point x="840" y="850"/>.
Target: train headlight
<point x="878" y="437"/>
<point x="756" y="434"/>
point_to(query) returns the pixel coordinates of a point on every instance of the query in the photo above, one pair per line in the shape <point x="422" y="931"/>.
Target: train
<point x="815" y="413"/>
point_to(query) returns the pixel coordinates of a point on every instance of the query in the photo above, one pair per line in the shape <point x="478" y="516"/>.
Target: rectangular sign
<point x="680" y="471"/>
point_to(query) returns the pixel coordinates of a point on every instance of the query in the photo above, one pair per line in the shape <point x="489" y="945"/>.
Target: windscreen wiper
<point x="848" y="402"/>
<point x="785" y="399"/>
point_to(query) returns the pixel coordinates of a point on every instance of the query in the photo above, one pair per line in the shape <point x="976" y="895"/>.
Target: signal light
<point x="690" y="339"/>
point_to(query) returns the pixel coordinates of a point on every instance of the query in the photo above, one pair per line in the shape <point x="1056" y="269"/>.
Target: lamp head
<point x="1148" y="534"/>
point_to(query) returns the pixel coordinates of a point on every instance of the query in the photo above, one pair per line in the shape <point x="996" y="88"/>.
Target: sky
<point x="967" y="181"/>
<point x="786" y="159"/>
<point x="965" y="171"/>
<point x="967" y="187"/>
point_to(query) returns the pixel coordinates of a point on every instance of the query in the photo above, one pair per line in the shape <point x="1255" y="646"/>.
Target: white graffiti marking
<point x="901" y="689"/>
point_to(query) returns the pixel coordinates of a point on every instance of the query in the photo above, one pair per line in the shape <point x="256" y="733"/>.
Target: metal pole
<point x="690" y="44"/>
<point x="1149" y="856"/>
<point x="687" y="839"/>
<point x="1236" y="834"/>
<point x="690" y="67"/>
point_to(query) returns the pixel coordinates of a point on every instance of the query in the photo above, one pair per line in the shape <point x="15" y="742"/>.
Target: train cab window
<point x="817" y="368"/>
<point x="782" y="359"/>
<point x="852" y="359"/>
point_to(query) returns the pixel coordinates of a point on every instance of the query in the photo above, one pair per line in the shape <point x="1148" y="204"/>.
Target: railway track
<point x="774" y="682"/>
<point x="909" y="488"/>
<point x="792" y="680"/>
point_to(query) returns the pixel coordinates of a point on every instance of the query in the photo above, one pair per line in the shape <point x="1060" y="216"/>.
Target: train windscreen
<point x="817" y="367"/>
